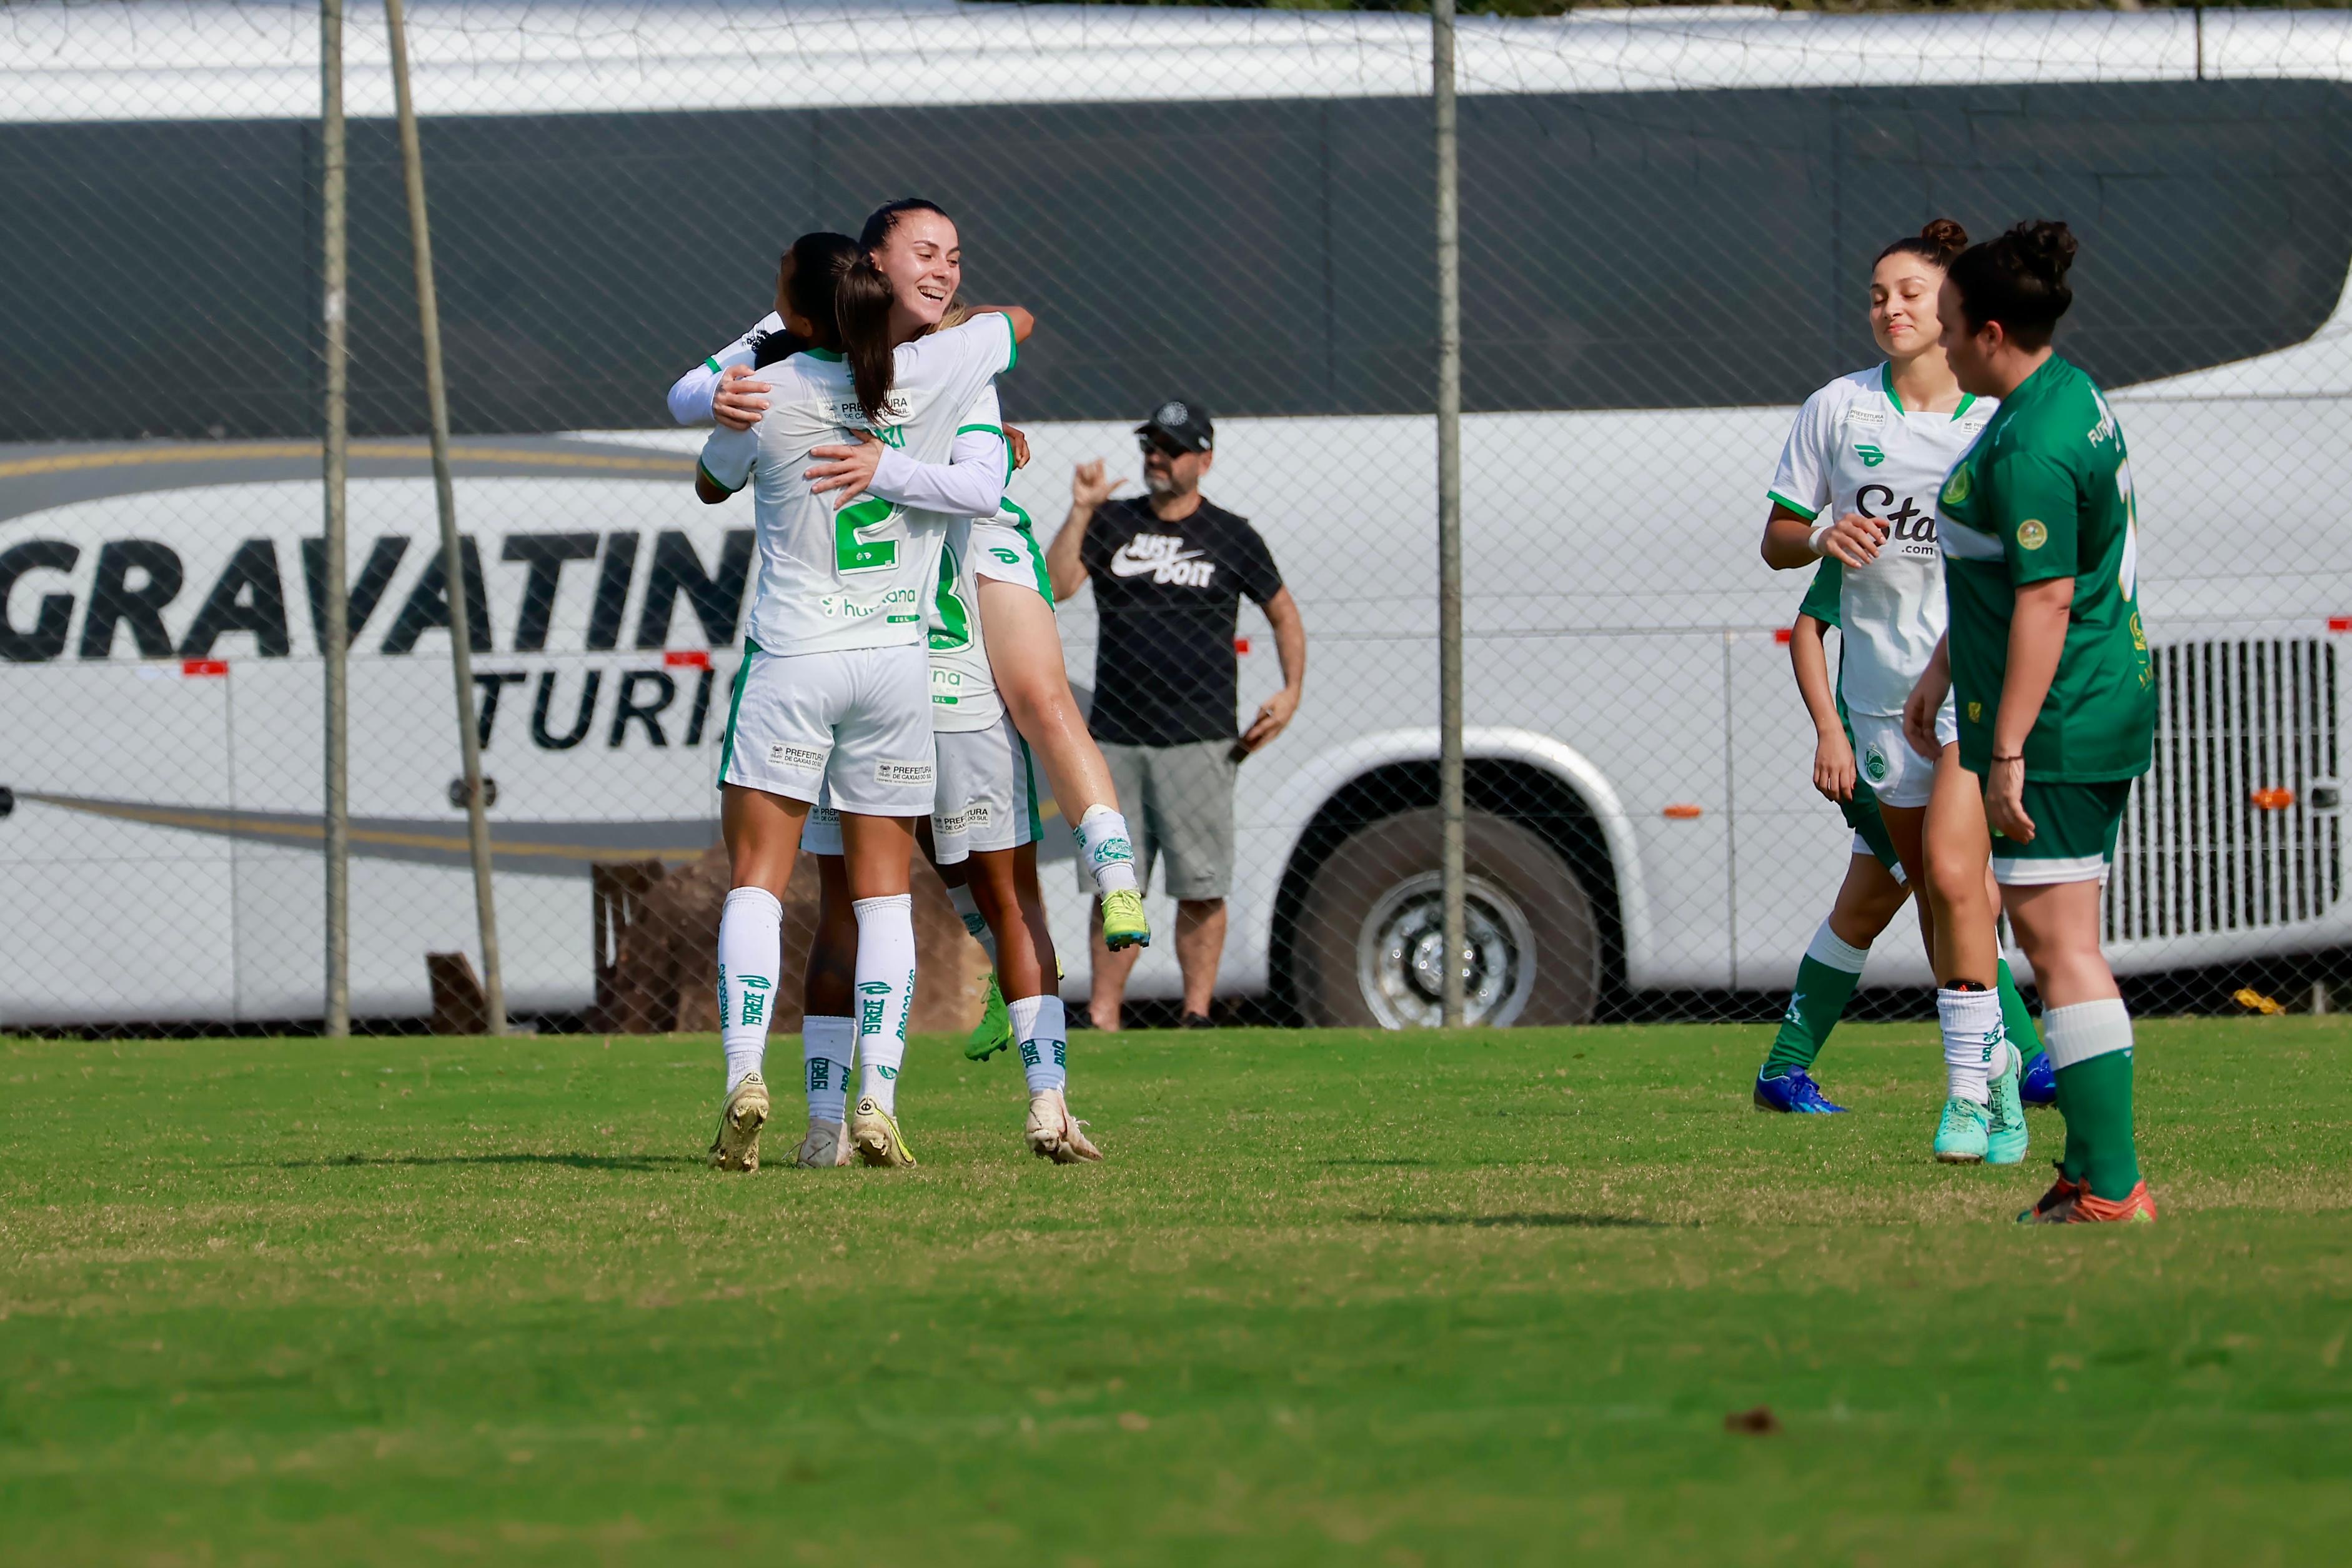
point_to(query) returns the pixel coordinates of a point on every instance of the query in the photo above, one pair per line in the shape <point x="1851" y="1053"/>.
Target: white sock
<point x="825" y="1046"/>
<point x="750" y="927"/>
<point x="1042" y="1030"/>
<point x="1833" y="949"/>
<point x="1974" y="1042"/>
<point x="1103" y="846"/>
<point x="967" y="909"/>
<point x="2072" y="1035"/>
<point x="886" y="988"/>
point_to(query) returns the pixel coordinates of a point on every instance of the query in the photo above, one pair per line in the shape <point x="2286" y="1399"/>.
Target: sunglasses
<point x="1161" y="445"/>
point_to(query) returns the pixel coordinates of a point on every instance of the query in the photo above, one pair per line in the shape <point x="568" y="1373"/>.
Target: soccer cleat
<point x="2062" y="1193"/>
<point x="1123" y="924"/>
<point x="825" y="1147"/>
<point x="1796" y="1091"/>
<point x="2005" y="1135"/>
<point x="875" y="1133"/>
<point x="2136" y="1207"/>
<point x="1053" y="1133"/>
<point x="737" y="1147"/>
<point x="993" y="1033"/>
<point x="2039" y="1084"/>
<point x="1960" y="1132"/>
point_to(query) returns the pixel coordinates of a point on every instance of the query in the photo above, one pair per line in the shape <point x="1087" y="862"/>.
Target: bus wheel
<point x="1369" y="944"/>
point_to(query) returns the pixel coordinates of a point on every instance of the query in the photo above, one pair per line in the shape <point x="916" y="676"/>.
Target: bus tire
<point x="1366" y="950"/>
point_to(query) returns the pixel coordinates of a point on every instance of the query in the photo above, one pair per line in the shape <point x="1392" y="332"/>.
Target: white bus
<point x="1639" y="764"/>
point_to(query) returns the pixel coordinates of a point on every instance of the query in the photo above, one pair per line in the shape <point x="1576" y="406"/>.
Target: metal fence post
<point x="436" y="396"/>
<point x="1449" y="505"/>
<point x="335" y="637"/>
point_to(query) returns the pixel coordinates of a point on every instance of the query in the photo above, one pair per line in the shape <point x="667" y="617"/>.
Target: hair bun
<point x="2047" y="247"/>
<point x="1946" y="235"/>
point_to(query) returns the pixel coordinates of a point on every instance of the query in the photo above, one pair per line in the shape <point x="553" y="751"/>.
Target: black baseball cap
<point x="1187" y="425"/>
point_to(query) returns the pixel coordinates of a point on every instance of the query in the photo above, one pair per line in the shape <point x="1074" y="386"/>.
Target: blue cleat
<point x="1796" y="1091"/>
<point x="2039" y="1084"/>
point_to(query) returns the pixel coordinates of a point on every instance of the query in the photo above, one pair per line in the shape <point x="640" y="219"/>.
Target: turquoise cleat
<point x="2005" y="1138"/>
<point x="1960" y="1132"/>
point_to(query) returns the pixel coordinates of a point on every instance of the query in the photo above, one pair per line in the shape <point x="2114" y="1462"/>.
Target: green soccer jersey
<point x="2046" y="492"/>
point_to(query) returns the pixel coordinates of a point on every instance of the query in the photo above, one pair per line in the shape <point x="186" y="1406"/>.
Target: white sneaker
<point x="1053" y="1133"/>
<point x="737" y="1147"/>
<point x="827" y="1145"/>
<point x="874" y="1133"/>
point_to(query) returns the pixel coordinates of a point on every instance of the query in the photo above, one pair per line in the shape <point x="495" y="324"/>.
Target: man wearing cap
<point x="1169" y="570"/>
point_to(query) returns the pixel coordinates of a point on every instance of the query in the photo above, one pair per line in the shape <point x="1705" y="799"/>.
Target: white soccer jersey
<point x="1855" y="448"/>
<point x="853" y="577"/>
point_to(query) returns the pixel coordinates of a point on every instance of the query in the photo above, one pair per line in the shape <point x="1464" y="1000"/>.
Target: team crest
<point x="2031" y="534"/>
<point x="1874" y="762"/>
<point x="1871" y="455"/>
<point x="1956" y="488"/>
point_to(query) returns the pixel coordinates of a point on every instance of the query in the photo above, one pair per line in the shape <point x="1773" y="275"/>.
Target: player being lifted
<point x="834" y="695"/>
<point x="1855" y="493"/>
<point x="2056" y="701"/>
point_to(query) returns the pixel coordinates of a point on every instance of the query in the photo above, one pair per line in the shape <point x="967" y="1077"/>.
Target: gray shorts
<point x="1178" y="801"/>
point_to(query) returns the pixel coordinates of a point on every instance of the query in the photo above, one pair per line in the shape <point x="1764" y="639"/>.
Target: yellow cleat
<point x="737" y="1147"/>
<point x="1123" y="924"/>
<point x="874" y="1132"/>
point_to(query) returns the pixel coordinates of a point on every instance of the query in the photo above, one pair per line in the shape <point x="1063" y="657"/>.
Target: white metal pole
<point x="1449" y="507"/>
<point x="436" y="396"/>
<point x="334" y="619"/>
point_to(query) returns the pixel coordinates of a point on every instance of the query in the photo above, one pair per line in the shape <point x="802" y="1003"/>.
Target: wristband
<point x="2012" y="757"/>
<point x="1821" y="530"/>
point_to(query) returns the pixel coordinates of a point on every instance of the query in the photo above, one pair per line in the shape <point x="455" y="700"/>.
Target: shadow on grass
<point x="575" y="1162"/>
<point x="1520" y="1221"/>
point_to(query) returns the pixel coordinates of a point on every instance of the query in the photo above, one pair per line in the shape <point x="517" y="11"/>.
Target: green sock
<point x="2017" y="1019"/>
<point x="1825" y="983"/>
<point x="2090" y="1044"/>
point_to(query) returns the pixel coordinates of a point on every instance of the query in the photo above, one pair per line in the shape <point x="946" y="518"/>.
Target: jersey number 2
<point x="851" y="553"/>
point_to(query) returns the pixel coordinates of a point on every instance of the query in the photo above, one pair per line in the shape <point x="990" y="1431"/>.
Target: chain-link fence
<point x="1668" y="222"/>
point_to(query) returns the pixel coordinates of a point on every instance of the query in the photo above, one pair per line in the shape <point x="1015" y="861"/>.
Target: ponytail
<point x="861" y="307"/>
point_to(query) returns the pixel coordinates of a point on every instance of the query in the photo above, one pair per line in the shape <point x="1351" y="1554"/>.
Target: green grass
<point x="1336" y="1298"/>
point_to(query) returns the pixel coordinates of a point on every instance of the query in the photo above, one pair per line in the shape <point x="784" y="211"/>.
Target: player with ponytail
<point x="1854" y="500"/>
<point x="2048" y="664"/>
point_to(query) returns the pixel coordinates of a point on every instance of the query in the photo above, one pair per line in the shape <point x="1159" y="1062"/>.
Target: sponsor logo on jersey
<point x="2105" y="430"/>
<point x="800" y="759"/>
<point x="1956" y="488"/>
<point x="1871" y="455"/>
<point x="951" y="826"/>
<point x="2031" y="534"/>
<point x="1163" y="557"/>
<point x="902" y="774"/>
<point x="824" y="817"/>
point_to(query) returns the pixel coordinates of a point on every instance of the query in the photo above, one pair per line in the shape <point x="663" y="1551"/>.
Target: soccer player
<point x="2056" y="698"/>
<point x="983" y="831"/>
<point x="1024" y="648"/>
<point x="834" y="695"/>
<point x="1855" y="489"/>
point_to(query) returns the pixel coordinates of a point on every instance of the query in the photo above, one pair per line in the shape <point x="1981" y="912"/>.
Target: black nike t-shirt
<point x="1170" y="595"/>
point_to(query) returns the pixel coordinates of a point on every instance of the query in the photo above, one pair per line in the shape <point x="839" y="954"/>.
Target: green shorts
<point x="2074" y="828"/>
<point x="1870" y="835"/>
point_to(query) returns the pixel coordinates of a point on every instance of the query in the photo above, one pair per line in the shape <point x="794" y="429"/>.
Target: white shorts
<point x="987" y="795"/>
<point x="1884" y="761"/>
<point x="1010" y="554"/>
<point x="986" y="800"/>
<point x="852" y="728"/>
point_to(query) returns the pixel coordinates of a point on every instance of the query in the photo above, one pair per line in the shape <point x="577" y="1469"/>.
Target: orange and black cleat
<point x="2085" y="1208"/>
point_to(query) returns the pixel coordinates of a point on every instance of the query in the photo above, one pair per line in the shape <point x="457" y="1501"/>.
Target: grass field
<point x="1385" y="1300"/>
